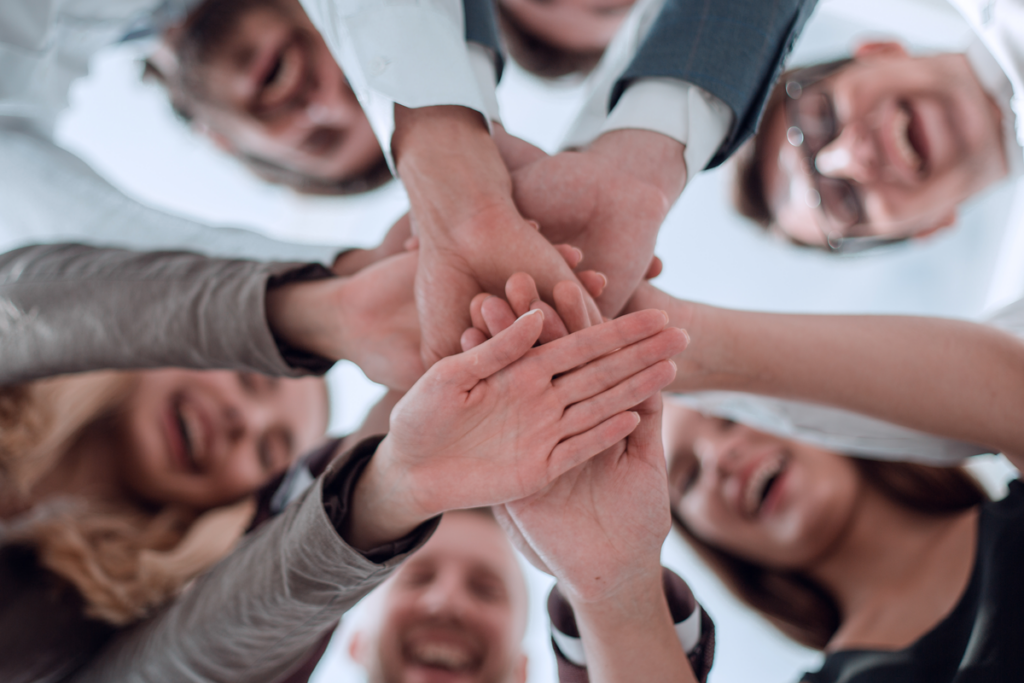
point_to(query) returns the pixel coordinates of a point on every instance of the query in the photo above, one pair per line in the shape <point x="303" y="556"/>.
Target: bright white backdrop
<point x="124" y="128"/>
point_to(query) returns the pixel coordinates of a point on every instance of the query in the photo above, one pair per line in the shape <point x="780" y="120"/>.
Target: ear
<point x="357" y="647"/>
<point x="880" y="49"/>
<point x="219" y="140"/>
<point x="944" y="222"/>
<point x="522" y="668"/>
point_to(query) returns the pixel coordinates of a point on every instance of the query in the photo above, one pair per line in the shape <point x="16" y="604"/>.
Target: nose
<point x="332" y="104"/>
<point x="720" y="452"/>
<point x="444" y="596"/>
<point x="852" y="155"/>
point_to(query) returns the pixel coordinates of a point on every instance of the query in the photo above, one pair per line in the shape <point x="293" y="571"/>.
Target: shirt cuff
<point x="338" y="488"/>
<point x="414" y="55"/>
<point x="485" y="69"/>
<point x="297" y="358"/>
<point x="680" y="110"/>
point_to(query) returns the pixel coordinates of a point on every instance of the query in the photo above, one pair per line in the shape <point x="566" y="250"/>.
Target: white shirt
<point x="414" y="53"/>
<point x="49" y="195"/>
<point x="680" y="110"/>
<point x="1000" y="26"/>
<point x="408" y="52"/>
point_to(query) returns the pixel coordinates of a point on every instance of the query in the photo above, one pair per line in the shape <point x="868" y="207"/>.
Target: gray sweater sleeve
<point x="256" y="615"/>
<point x="71" y="308"/>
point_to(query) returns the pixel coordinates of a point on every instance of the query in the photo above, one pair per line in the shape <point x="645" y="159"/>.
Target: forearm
<point x="451" y="168"/>
<point x="951" y="378"/>
<point x="632" y="638"/>
<point x="71" y="308"/>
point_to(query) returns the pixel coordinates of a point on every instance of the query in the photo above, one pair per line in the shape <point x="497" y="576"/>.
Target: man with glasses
<point x="884" y="146"/>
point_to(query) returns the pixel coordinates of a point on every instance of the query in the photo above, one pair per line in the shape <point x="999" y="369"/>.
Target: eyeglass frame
<point x="794" y="89"/>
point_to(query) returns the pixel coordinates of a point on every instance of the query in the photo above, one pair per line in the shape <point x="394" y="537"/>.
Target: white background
<point x="125" y="129"/>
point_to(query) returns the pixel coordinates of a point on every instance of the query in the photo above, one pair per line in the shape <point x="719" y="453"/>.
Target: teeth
<point x="757" y="484"/>
<point x="188" y="431"/>
<point x="442" y="655"/>
<point x="901" y="128"/>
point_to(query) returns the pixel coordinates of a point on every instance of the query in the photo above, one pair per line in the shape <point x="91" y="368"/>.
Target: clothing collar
<point x="998" y="86"/>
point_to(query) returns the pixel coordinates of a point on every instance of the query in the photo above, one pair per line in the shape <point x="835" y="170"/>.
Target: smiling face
<point x="912" y="137"/>
<point x="771" y="501"/>
<point x="455" y="612"/>
<point x="573" y="25"/>
<point x="257" y="77"/>
<point x="206" y="438"/>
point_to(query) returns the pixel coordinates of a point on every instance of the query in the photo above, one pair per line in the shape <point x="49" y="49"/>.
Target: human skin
<point x="271" y="89"/>
<point x="471" y="235"/>
<point x="880" y="366"/>
<point x="494" y="424"/>
<point x="193" y="438"/>
<point x="573" y="25"/>
<point x="917" y="136"/>
<point x="894" y="572"/>
<point x="457" y="607"/>
<point x="599" y="527"/>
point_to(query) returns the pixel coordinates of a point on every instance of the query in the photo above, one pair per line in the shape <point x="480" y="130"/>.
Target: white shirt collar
<point x="996" y="84"/>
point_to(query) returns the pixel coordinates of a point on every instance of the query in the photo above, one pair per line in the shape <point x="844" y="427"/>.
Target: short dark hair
<point x="796" y="604"/>
<point x="538" y="55"/>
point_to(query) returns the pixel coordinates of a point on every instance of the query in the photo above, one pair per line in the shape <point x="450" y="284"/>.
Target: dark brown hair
<point x="539" y="56"/>
<point x="797" y="605"/>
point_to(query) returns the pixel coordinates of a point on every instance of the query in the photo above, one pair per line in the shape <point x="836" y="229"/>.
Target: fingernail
<point x="529" y="313"/>
<point x="604" y="280"/>
<point x="667" y="318"/>
<point x="675" y="368"/>
<point x="686" y="335"/>
<point x="579" y="254"/>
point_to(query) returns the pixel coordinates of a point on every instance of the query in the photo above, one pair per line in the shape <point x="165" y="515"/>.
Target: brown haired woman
<point x="898" y="571"/>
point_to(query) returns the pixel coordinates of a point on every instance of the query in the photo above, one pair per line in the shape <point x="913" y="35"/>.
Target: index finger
<point x="586" y="345"/>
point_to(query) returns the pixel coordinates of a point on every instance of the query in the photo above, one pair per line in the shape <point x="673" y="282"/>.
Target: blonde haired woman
<point x="491" y="425"/>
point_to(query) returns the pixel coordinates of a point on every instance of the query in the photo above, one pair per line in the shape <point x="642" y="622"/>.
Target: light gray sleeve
<point x="844" y="431"/>
<point x="72" y="308"/>
<point x="48" y="195"/>
<point x="257" y="614"/>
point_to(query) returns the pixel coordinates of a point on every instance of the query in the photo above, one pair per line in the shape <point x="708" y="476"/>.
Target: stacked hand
<point x="503" y="420"/>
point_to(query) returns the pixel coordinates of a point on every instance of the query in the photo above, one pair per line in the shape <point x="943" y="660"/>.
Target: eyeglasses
<point x="812" y="126"/>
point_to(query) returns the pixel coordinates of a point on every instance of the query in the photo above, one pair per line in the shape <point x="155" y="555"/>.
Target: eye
<point x="692" y="476"/>
<point x="275" y="451"/>
<point x="417" y="576"/>
<point x="487" y="588"/>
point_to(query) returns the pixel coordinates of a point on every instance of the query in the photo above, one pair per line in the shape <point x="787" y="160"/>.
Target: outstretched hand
<point x="599" y="527"/>
<point x="368" y="318"/>
<point x="591" y="201"/>
<point x="503" y="420"/>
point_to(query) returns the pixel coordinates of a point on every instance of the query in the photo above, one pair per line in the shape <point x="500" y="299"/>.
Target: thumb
<point x="500" y="351"/>
<point x="646" y="439"/>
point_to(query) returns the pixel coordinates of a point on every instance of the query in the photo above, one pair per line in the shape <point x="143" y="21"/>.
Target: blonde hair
<point x="124" y="560"/>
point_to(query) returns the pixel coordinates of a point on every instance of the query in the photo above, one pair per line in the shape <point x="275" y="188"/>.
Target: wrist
<point x="380" y="511"/>
<point x="637" y="601"/>
<point x="654" y="158"/>
<point x="299" y="314"/>
<point x="450" y="166"/>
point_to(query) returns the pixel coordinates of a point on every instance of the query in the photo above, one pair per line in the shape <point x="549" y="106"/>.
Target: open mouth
<point x="760" y="485"/>
<point x="909" y="139"/>
<point x="188" y="428"/>
<point x="446" y="655"/>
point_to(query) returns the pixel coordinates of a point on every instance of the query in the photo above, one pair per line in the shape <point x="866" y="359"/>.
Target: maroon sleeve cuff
<point x="694" y="627"/>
